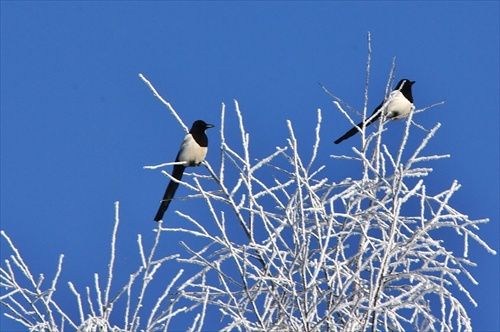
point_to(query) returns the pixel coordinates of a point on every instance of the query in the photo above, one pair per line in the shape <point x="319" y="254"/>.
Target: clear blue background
<point x="78" y="125"/>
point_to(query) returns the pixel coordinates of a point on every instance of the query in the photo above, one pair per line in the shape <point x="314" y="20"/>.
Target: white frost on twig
<point x="283" y="247"/>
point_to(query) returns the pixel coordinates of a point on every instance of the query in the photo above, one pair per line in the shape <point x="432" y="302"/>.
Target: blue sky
<point x="78" y="125"/>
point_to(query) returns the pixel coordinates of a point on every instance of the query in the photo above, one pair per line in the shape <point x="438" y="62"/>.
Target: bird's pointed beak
<point x="208" y="125"/>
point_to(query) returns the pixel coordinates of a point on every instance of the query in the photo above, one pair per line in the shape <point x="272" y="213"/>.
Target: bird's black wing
<point x="170" y="191"/>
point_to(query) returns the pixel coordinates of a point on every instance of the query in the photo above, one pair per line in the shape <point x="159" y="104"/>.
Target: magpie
<point x="396" y="106"/>
<point x="192" y="152"/>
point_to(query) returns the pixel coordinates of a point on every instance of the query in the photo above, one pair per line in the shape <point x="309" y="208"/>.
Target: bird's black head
<point x="405" y="87"/>
<point x="404" y="83"/>
<point x="199" y="126"/>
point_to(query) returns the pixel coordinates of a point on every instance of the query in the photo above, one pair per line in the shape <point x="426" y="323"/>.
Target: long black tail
<point x="354" y="130"/>
<point x="170" y="191"/>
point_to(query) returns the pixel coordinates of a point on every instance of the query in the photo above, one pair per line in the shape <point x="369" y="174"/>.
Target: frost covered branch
<point x="284" y="245"/>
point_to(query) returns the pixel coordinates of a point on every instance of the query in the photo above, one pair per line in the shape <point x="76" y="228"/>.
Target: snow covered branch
<point x="283" y="247"/>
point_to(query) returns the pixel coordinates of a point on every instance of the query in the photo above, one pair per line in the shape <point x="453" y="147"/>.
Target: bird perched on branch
<point x="192" y="152"/>
<point x="396" y="106"/>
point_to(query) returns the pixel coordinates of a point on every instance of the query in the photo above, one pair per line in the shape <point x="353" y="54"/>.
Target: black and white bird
<point x="192" y="152"/>
<point x="397" y="105"/>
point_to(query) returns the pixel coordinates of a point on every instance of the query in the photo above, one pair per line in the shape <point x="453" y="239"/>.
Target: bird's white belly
<point x="191" y="152"/>
<point x="398" y="106"/>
